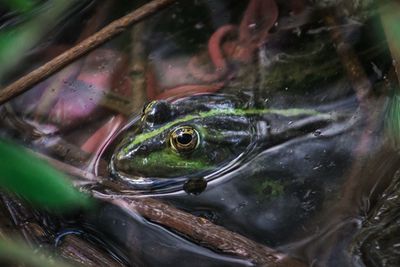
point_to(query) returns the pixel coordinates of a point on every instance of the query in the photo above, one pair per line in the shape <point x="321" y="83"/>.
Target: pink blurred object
<point x="79" y="100"/>
<point x="95" y="142"/>
<point x="253" y="31"/>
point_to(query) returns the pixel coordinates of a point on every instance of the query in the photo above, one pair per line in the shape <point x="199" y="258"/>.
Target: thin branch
<point x="352" y="65"/>
<point x="82" y="177"/>
<point x="205" y="232"/>
<point x="108" y="32"/>
<point x="137" y="67"/>
<point x="25" y="222"/>
<point x="79" y="251"/>
<point x="370" y="106"/>
<point x="73" y="248"/>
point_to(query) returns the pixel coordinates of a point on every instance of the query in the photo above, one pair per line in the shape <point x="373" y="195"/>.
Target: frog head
<point x="190" y="137"/>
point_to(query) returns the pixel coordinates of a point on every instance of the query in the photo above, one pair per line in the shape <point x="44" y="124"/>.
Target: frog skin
<point x="202" y="136"/>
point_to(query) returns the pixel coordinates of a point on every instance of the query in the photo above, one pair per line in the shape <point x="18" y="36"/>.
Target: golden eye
<point x="184" y="139"/>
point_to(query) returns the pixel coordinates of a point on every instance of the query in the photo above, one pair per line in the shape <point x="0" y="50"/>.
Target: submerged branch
<point x="80" y="251"/>
<point x="108" y="32"/>
<point x="205" y="232"/>
<point x="351" y="64"/>
<point x="73" y="248"/>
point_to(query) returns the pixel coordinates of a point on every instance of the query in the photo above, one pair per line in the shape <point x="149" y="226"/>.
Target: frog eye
<point x="184" y="139"/>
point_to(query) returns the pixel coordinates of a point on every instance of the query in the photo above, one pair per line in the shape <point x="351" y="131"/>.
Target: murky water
<point x="273" y="121"/>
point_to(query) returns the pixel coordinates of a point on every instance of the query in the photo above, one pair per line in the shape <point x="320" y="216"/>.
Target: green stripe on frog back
<point x="218" y="112"/>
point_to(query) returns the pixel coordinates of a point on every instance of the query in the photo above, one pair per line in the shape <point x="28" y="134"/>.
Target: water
<point x="324" y="191"/>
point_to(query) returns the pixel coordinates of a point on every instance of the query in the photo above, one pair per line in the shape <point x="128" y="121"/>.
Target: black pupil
<point x="184" y="139"/>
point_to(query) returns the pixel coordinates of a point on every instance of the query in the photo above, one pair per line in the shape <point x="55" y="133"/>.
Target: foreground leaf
<point x="34" y="180"/>
<point x="390" y="18"/>
<point x="17" y="40"/>
<point x="19" y="5"/>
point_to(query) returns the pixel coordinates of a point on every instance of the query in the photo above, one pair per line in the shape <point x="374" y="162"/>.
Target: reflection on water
<point x="272" y="119"/>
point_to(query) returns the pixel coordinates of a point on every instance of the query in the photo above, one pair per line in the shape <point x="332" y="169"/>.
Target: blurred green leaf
<point x="16" y="41"/>
<point x="390" y="19"/>
<point x="392" y="118"/>
<point x="34" y="180"/>
<point x="18" y="252"/>
<point x="19" y="5"/>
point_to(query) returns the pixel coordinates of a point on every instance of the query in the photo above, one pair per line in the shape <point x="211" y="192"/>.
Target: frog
<point x="203" y="137"/>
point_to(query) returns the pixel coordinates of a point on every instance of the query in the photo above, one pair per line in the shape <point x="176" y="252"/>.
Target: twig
<point x="71" y="247"/>
<point x="137" y="66"/>
<point x="25" y="221"/>
<point x="205" y="232"/>
<point x="83" y="177"/>
<point x="369" y="106"/>
<point x="113" y="29"/>
<point x="80" y="251"/>
<point x="354" y="70"/>
<point x="6" y="224"/>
